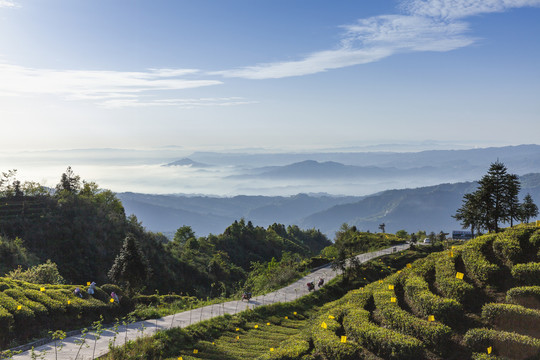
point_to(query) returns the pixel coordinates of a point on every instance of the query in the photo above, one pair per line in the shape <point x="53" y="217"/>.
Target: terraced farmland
<point x="480" y="300"/>
<point x="29" y="310"/>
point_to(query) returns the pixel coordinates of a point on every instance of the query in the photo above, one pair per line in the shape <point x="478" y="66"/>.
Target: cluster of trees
<point x="495" y="201"/>
<point x="85" y="231"/>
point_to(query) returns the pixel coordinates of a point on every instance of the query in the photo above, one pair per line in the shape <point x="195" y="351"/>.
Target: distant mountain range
<point x="425" y="208"/>
<point x="187" y="162"/>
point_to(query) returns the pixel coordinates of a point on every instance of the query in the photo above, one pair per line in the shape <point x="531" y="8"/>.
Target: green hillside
<point x="30" y="310"/>
<point x="480" y="300"/>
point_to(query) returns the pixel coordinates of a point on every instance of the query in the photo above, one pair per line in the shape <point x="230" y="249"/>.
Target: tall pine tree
<point x="130" y="268"/>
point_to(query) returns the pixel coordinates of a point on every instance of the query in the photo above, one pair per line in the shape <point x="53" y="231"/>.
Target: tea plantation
<point x="479" y="300"/>
<point x="30" y="310"/>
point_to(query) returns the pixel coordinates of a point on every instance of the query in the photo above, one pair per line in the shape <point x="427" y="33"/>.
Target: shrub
<point x="506" y="344"/>
<point x="508" y="249"/>
<point x="434" y="334"/>
<point x="24" y="317"/>
<point x="484" y="356"/>
<point x="424" y="303"/>
<point x="6" y="322"/>
<point x="290" y="349"/>
<point x="328" y="343"/>
<point x="46" y="273"/>
<point x="446" y="282"/>
<point x="53" y="306"/>
<point x="528" y="296"/>
<point x="514" y="318"/>
<point x="147" y="299"/>
<point x="39" y="309"/>
<point x="527" y="274"/>
<point x="381" y="341"/>
<point x="534" y="240"/>
<point x="477" y="265"/>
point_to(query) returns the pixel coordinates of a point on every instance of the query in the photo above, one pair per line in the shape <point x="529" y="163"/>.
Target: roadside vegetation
<point x="465" y="302"/>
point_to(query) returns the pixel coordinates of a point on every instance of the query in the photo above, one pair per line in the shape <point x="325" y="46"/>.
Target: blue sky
<point x="272" y="74"/>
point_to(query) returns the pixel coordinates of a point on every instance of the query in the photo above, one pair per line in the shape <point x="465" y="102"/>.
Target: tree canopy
<point x="494" y="202"/>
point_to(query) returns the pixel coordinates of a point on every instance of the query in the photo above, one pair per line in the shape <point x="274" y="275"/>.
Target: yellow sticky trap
<point x="180" y="358"/>
<point x="295" y="313"/>
<point x="453" y="247"/>
<point x="111" y="300"/>
<point x="213" y="343"/>
<point x="380" y="281"/>
<point x="195" y="351"/>
<point x="237" y="329"/>
<point x="69" y="302"/>
<point x="237" y="337"/>
<point x="431" y="318"/>
<point x="459" y="275"/>
<point x="286" y="317"/>
<point x="399" y="271"/>
<point x="343" y="339"/>
<point x="393" y="299"/>
<point x="271" y="349"/>
<point x="489" y="349"/>
<point x="409" y="266"/>
<point x="537" y="222"/>
<point x="88" y="283"/>
<point x="451" y="254"/>
<point x="256" y="326"/>
<point x="331" y="317"/>
<point x="42" y="289"/>
<point x="268" y="324"/>
<point x="19" y="307"/>
<point x="390" y="287"/>
<point x="323" y="325"/>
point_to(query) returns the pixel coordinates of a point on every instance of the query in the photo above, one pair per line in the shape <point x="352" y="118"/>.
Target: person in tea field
<point x="92" y="288"/>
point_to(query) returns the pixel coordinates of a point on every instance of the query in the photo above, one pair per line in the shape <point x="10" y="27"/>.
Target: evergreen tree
<point x="470" y="213"/>
<point x="528" y="209"/>
<point x="495" y="201"/>
<point x="130" y="268"/>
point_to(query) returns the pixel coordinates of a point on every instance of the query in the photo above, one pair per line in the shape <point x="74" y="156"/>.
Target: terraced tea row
<point x="462" y="303"/>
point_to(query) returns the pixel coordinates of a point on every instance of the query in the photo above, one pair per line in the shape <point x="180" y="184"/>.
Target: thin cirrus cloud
<point x="7" y="4"/>
<point x="103" y="87"/>
<point x="179" y="103"/>
<point x="432" y="25"/>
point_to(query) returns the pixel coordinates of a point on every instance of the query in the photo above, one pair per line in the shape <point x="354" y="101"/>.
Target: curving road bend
<point x="71" y="345"/>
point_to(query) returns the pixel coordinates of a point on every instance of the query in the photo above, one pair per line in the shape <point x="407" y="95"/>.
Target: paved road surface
<point x="183" y="319"/>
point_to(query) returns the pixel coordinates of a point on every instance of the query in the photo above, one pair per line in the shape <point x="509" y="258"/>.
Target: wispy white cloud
<point x="8" y="4"/>
<point x="99" y="86"/>
<point x="179" y="103"/>
<point x="425" y="25"/>
<point x="456" y="9"/>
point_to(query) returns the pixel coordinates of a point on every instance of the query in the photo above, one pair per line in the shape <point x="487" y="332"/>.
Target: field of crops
<point x="480" y="300"/>
<point x="31" y="310"/>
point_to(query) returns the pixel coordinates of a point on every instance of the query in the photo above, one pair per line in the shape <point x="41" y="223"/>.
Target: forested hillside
<point x="81" y="228"/>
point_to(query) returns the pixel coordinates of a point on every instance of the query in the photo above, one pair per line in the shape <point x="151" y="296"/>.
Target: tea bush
<point x="424" y="303"/>
<point x="527" y="274"/>
<point x="513" y="318"/>
<point x="528" y="296"/>
<point x="506" y="344"/>
<point x="477" y="265"/>
<point x="446" y="282"/>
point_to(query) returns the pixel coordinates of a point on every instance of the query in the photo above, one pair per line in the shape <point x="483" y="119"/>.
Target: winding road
<point x="71" y="348"/>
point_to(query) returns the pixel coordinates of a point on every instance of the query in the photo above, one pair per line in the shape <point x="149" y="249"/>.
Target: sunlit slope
<point x="480" y="300"/>
<point x="30" y="310"/>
